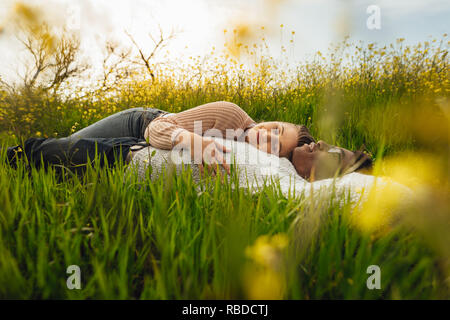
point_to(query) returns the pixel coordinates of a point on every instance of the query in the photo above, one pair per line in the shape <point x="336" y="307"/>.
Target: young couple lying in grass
<point x="198" y="131"/>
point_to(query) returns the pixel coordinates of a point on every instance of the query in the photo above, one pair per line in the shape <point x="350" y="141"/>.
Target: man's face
<point x="319" y="160"/>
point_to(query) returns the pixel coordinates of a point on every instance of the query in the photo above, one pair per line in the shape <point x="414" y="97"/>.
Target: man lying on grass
<point x="116" y="136"/>
<point x="254" y="168"/>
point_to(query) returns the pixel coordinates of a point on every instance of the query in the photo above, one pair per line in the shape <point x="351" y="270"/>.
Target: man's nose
<point x="322" y="145"/>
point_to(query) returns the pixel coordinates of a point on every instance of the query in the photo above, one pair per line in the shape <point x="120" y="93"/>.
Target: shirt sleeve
<point x="162" y="134"/>
<point x="220" y="115"/>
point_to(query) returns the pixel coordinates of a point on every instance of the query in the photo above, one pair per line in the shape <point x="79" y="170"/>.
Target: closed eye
<point x="339" y="152"/>
<point x="342" y="155"/>
<point x="334" y="150"/>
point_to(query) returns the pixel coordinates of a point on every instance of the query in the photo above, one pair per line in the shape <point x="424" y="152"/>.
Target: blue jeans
<point x="126" y="123"/>
<point x="110" y="139"/>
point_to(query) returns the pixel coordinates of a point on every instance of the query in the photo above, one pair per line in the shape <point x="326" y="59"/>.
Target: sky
<point x="200" y="23"/>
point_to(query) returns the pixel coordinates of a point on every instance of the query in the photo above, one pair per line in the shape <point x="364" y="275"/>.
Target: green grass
<point x="167" y="240"/>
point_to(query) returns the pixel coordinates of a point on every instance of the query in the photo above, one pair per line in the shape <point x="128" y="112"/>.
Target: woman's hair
<point x="303" y="137"/>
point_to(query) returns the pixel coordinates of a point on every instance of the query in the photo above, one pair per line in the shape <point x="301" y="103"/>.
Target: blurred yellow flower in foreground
<point x="414" y="170"/>
<point x="263" y="284"/>
<point x="377" y="212"/>
<point x="263" y="277"/>
<point x="403" y="179"/>
<point x="267" y="251"/>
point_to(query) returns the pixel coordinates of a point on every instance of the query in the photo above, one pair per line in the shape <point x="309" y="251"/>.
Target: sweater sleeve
<point x="222" y="115"/>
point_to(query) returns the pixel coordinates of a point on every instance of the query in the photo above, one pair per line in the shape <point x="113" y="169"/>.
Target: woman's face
<point x="273" y="137"/>
<point x="319" y="160"/>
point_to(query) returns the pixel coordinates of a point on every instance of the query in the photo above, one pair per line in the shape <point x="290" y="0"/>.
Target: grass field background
<point x="167" y="240"/>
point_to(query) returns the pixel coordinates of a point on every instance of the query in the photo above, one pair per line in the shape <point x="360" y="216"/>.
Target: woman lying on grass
<point x="119" y="135"/>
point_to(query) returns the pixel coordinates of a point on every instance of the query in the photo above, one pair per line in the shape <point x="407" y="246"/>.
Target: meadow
<point x="167" y="240"/>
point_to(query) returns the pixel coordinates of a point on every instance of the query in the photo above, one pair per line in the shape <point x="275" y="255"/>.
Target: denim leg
<point x="126" y="123"/>
<point x="110" y="139"/>
<point x="75" y="152"/>
<point x="119" y="124"/>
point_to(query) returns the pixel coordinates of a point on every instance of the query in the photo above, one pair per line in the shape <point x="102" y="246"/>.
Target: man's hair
<point x="362" y="162"/>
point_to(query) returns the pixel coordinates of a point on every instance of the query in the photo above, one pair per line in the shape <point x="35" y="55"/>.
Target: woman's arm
<point x="222" y="115"/>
